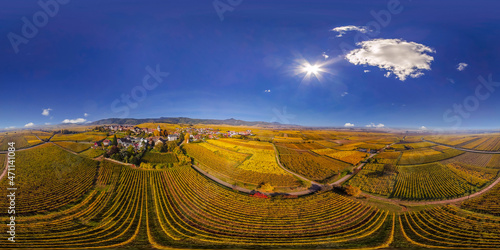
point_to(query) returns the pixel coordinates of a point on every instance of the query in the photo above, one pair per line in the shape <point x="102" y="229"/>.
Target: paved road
<point x="464" y="149"/>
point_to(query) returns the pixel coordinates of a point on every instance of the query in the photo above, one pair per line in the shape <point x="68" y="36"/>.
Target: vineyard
<point x="314" y="167"/>
<point x="81" y="137"/>
<point x="22" y="140"/>
<point x="92" y="153"/>
<point x="352" y="157"/>
<point x="74" y="146"/>
<point x="48" y="178"/>
<point x="67" y="201"/>
<point x="388" y="157"/>
<point x="150" y="157"/>
<point x="449" y="227"/>
<point x="488" y="203"/>
<point x="373" y="180"/>
<point x="260" y="168"/>
<point x="427" y="155"/>
<point x="430" y="181"/>
<point x="204" y="214"/>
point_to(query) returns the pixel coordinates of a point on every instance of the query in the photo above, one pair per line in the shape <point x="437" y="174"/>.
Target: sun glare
<point x="310" y="70"/>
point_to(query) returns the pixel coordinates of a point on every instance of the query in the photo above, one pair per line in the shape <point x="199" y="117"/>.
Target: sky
<point x="349" y="63"/>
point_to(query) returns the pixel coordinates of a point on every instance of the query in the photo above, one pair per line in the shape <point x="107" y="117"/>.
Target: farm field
<point x="151" y="157"/>
<point x="387" y="157"/>
<point x="488" y="203"/>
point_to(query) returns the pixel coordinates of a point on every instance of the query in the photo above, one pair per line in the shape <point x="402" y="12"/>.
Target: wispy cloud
<point x="344" y="94"/>
<point x="461" y="66"/>
<point x="78" y="120"/>
<point x="397" y="56"/>
<point x="46" y="112"/>
<point x="343" y="29"/>
<point x="267" y="91"/>
<point x="373" y="125"/>
<point x="29" y="125"/>
<point x="348" y="125"/>
<point x="85" y="114"/>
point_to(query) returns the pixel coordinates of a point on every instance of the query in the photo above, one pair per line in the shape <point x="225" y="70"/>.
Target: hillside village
<point x="141" y="138"/>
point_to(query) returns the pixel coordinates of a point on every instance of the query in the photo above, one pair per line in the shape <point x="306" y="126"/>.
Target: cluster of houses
<point x="140" y="143"/>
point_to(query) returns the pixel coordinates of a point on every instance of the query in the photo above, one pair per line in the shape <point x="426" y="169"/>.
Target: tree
<point x="186" y="138"/>
<point x="352" y="190"/>
<point x="115" y="141"/>
<point x="266" y="187"/>
<point x="159" y="146"/>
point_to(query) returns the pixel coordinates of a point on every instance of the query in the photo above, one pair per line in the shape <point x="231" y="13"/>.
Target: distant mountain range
<point x="191" y="121"/>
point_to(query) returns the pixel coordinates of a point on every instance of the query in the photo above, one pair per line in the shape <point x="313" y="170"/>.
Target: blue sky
<point x="90" y="53"/>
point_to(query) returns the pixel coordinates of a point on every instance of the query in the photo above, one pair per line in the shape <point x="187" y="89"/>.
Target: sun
<point x="310" y="70"/>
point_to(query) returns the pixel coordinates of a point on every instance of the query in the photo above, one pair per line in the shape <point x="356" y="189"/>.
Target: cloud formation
<point x="344" y="94"/>
<point x="348" y="125"/>
<point x="46" y="112"/>
<point x="29" y="125"/>
<point x="373" y="125"/>
<point x="267" y="91"/>
<point x="85" y="114"/>
<point x="461" y="66"/>
<point x="397" y="56"/>
<point x="423" y="128"/>
<point x="78" y="120"/>
<point x="343" y="29"/>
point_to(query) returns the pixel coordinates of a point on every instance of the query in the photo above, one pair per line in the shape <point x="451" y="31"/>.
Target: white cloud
<point x="85" y="114"/>
<point x="450" y="80"/>
<point x="78" y="120"/>
<point x="344" y="94"/>
<point x="348" y="125"/>
<point x="11" y="127"/>
<point x="325" y="55"/>
<point x="461" y="66"/>
<point x="46" y="112"/>
<point x="397" y="56"/>
<point x="267" y="91"/>
<point x="423" y="128"/>
<point x="343" y="29"/>
<point x="29" y="125"/>
<point x="373" y="125"/>
<point x="366" y="70"/>
<point x="47" y="123"/>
